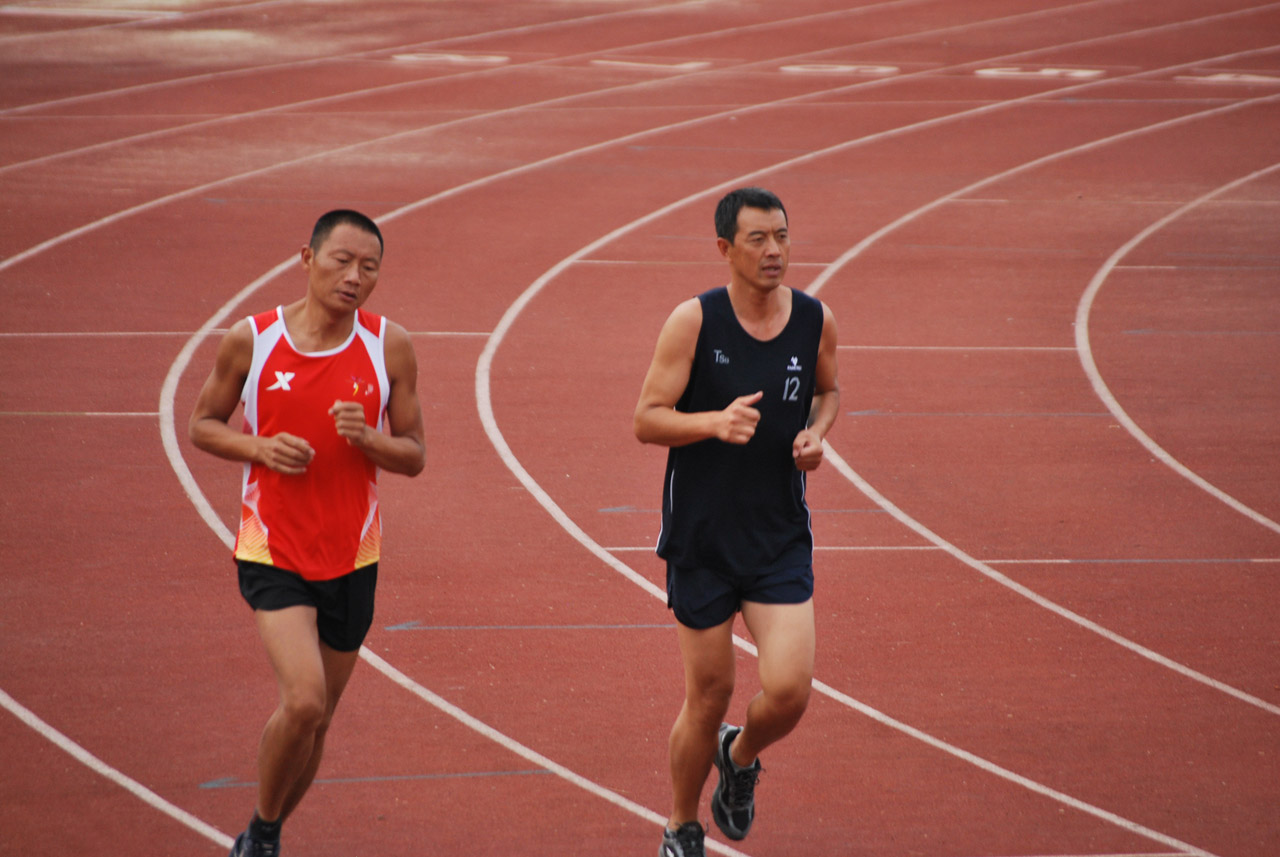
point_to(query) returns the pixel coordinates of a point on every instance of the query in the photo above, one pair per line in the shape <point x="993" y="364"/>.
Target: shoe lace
<point x="690" y="841"/>
<point x="742" y="786"/>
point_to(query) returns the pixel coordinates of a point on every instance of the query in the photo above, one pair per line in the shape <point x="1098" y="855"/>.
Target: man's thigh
<point x="785" y="638"/>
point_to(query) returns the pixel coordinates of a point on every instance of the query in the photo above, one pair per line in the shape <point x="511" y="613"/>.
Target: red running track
<point x="1047" y="528"/>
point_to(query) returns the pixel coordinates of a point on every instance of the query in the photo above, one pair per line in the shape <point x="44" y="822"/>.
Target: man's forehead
<point x="351" y="237"/>
<point x="761" y="220"/>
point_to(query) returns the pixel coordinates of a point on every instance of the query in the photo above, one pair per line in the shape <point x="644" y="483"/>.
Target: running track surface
<point x="1047" y="524"/>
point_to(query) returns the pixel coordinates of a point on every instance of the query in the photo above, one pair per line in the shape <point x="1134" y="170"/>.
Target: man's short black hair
<point x="735" y="200"/>
<point x="332" y="219"/>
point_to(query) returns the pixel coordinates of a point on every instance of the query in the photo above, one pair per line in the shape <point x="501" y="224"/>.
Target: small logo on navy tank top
<point x="794" y="366"/>
<point x="721" y="357"/>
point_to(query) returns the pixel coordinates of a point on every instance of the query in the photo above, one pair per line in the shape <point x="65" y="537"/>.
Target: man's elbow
<point x="418" y="463"/>
<point x="642" y="426"/>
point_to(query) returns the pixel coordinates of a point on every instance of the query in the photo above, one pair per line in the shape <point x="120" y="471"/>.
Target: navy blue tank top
<point x="741" y="508"/>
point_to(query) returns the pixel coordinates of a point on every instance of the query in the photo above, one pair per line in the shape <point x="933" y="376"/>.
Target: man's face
<point x="761" y="249"/>
<point x="343" y="272"/>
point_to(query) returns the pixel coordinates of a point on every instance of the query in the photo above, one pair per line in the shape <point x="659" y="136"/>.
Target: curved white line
<point x="524" y="752"/>
<point x="101" y="768"/>
<point x="1085" y="352"/>
<point x="1057" y="609"/>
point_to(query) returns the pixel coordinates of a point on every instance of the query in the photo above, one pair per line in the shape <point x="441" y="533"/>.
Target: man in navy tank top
<point x="742" y="389"/>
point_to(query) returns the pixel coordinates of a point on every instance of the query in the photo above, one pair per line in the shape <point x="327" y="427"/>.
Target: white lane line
<point x="81" y="12"/>
<point x="101" y="768"/>
<point x="522" y="751"/>
<point x="987" y="571"/>
<point x="1085" y="350"/>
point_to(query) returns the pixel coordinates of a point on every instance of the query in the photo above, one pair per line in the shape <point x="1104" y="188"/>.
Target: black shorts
<point x="344" y="605"/>
<point x="704" y="598"/>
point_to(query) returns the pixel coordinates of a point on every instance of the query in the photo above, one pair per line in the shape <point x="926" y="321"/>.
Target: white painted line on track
<point x="85" y="12"/>
<point x="987" y="571"/>
<point x="522" y="751"/>
<point x="101" y="768"/>
<point x="1095" y="376"/>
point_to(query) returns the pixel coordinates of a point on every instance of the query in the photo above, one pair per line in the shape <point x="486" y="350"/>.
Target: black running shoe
<point x="733" y="805"/>
<point x="247" y="846"/>
<point x="684" y="842"/>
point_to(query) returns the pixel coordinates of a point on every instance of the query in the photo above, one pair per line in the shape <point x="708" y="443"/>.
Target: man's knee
<point x="791" y="697"/>
<point x="709" y="699"/>
<point x="305" y="709"/>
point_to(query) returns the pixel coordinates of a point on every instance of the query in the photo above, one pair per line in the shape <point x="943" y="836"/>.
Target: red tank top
<point x="323" y="523"/>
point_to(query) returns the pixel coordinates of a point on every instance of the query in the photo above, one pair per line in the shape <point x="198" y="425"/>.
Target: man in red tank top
<point x="330" y="398"/>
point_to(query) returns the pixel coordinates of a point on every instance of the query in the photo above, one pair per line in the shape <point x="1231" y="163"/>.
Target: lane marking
<point x="1230" y="77"/>
<point x="1085" y="349"/>
<point x="691" y="65"/>
<point x="1031" y="595"/>
<point x="101" y="768"/>
<point x="454" y="59"/>
<point x="838" y="68"/>
<point x="522" y="751"/>
<point x="85" y="12"/>
<point x="1023" y="72"/>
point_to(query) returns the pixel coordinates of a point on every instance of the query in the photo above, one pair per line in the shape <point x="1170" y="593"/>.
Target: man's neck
<point x="314" y="328"/>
